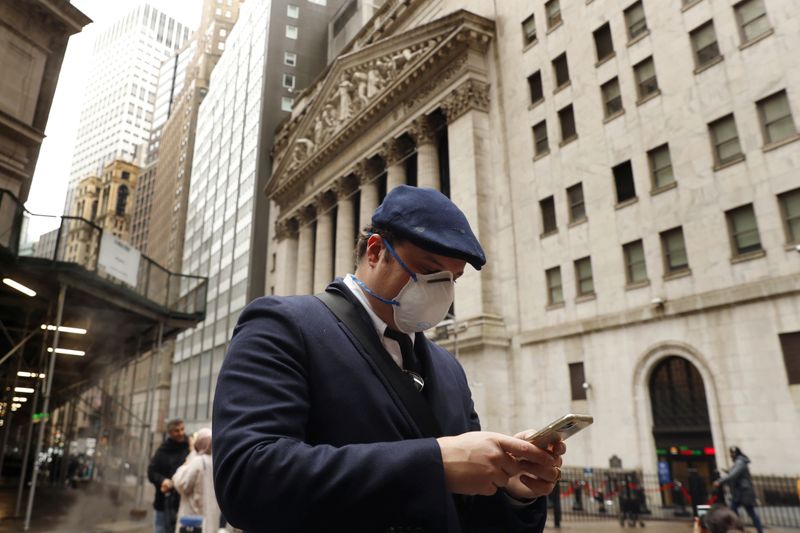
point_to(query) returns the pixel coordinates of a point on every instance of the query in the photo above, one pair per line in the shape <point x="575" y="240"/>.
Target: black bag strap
<point x="414" y="402"/>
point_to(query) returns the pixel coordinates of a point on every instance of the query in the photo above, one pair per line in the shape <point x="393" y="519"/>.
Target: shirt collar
<point x="380" y="325"/>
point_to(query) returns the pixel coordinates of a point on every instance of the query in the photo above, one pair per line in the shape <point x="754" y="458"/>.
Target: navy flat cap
<point x="430" y="220"/>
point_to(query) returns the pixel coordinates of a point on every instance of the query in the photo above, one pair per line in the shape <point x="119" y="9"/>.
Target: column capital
<point x="325" y="200"/>
<point x="286" y="228"/>
<point x="344" y="187"/>
<point x="394" y="151"/>
<point x="423" y="130"/>
<point x="472" y="94"/>
<point x="306" y="214"/>
<point x="365" y="171"/>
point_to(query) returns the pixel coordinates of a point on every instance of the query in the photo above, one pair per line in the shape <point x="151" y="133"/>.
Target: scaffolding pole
<point x="148" y="409"/>
<point x="62" y="293"/>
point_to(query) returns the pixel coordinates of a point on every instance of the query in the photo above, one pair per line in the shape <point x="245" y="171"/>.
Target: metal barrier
<point x="592" y="494"/>
<point x="78" y="242"/>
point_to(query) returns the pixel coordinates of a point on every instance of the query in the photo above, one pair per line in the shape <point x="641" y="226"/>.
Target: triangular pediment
<point x="361" y="85"/>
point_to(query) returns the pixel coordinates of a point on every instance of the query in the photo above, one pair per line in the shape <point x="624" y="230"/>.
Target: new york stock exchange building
<point x="641" y="268"/>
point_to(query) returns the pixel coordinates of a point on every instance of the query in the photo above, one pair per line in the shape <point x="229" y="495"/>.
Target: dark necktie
<point x="410" y="365"/>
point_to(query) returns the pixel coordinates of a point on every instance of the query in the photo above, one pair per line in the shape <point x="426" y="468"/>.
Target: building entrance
<point x="682" y="432"/>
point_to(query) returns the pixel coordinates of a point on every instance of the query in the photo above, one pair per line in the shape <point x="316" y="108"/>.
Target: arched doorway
<point x="682" y="430"/>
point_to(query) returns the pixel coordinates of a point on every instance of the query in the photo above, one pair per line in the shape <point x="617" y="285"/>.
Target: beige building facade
<point x="631" y="170"/>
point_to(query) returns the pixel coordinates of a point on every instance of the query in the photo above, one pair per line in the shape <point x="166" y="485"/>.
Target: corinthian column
<point x="368" y="179"/>
<point x="423" y="132"/>
<point x="394" y="153"/>
<point x="305" y="251"/>
<point x="323" y="249"/>
<point x="345" y="219"/>
<point x="286" y="276"/>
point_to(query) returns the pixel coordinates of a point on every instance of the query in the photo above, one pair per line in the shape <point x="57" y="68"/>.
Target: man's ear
<point x="374" y="249"/>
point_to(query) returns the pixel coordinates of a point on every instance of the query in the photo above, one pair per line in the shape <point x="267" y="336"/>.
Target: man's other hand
<point x="166" y="486"/>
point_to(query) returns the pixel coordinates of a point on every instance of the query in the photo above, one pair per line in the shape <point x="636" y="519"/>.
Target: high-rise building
<point x="274" y="50"/>
<point x="631" y="170"/>
<point x="117" y="111"/>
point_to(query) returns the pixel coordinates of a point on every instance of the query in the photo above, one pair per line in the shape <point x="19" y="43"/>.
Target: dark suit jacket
<point x="308" y="436"/>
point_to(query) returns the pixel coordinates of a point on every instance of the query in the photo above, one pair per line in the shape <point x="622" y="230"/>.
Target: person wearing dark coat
<point x="741" y="484"/>
<point x="170" y="455"/>
<point x="313" y="423"/>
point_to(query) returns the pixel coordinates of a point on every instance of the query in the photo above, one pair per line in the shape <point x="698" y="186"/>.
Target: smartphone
<point x="562" y="429"/>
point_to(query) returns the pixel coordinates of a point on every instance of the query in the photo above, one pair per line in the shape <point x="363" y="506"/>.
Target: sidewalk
<point x="653" y="526"/>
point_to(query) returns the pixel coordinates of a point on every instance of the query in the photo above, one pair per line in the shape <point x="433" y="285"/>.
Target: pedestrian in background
<point x="169" y="456"/>
<point x="741" y="484"/>
<point x="194" y="482"/>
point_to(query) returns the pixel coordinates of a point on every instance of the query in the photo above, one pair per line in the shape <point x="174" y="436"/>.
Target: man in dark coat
<point x="313" y="423"/>
<point x="742" y="492"/>
<point x="170" y="455"/>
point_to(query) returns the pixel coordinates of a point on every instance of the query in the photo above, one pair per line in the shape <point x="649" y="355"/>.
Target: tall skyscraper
<point x="275" y="49"/>
<point x="117" y="112"/>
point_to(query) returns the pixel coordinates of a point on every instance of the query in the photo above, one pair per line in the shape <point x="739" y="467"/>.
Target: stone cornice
<point x="332" y="118"/>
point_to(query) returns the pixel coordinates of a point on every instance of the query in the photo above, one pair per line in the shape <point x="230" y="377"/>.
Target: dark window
<point x="743" y="230"/>
<point x="776" y="118"/>
<point x="790" y="212"/>
<point x="577" y="208"/>
<point x="553" y="10"/>
<point x="751" y="16"/>
<point x="677" y="396"/>
<point x="548" y="208"/>
<point x="623" y="179"/>
<point x="612" y="100"/>
<point x="635" y="21"/>
<point x="535" y="85"/>
<point x="646" y="82"/>
<point x="603" y="44"/>
<point x="126" y="175"/>
<point x="566" y="117"/>
<point x="555" y="293"/>
<point x="725" y="139"/>
<point x="704" y="44"/>
<point x="122" y="199"/>
<point x="635" y="264"/>
<point x="674" y="249"/>
<point x="561" y="70"/>
<point x="790" y="345"/>
<point x="584" y="283"/>
<point x="660" y="166"/>
<point x="576" y="381"/>
<point x="528" y="30"/>
<point x="540" y="143"/>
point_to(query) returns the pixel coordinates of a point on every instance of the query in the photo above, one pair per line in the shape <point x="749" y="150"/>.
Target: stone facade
<point x="449" y="81"/>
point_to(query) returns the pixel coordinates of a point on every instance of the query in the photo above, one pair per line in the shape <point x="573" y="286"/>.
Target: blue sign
<point x="664" y="475"/>
<point x="588" y="471"/>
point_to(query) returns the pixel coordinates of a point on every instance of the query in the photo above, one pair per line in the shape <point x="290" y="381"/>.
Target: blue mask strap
<point x="369" y="291"/>
<point x="402" y="264"/>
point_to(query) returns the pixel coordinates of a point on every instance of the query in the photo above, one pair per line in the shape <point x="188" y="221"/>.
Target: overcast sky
<point x="50" y="179"/>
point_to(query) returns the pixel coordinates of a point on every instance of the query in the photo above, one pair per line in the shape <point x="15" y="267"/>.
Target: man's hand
<point x="480" y="462"/>
<point x="536" y="478"/>
<point x="166" y="486"/>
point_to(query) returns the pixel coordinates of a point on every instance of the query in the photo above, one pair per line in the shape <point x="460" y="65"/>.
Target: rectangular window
<point x="292" y="12"/>
<point x="660" y="166"/>
<point x="576" y="381"/>
<point x="290" y="59"/>
<point x="583" y="277"/>
<point x="291" y="31"/>
<point x="790" y="346"/>
<point x="561" y="70"/>
<point x="635" y="21"/>
<point x="623" y="180"/>
<point x="540" y="144"/>
<point x="704" y="44"/>
<point x="776" y="118"/>
<point x="577" y="207"/>
<point x="635" y="265"/>
<point x="743" y="230"/>
<point x="725" y="139"/>
<point x="646" y="82"/>
<point x="790" y="213"/>
<point x="286" y="103"/>
<point x="674" y="249"/>
<point x="529" y="30"/>
<point x="612" y="99"/>
<point x="751" y="15"/>
<point x="566" y="117"/>
<point x="555" y="294"/>
<point x="535" y="85"/>
<point x="603" y="44"/>
<point x="548" y="209"/>
<point x="553" y="10"/>
<point x="288" y="81"/>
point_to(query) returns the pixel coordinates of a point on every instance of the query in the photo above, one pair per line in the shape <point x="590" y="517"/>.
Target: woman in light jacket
<point x="195" y="483"/>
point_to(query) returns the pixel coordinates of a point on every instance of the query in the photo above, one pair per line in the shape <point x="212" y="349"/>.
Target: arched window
<point x="122" y="199"/>
<point x="677" y="395"/>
